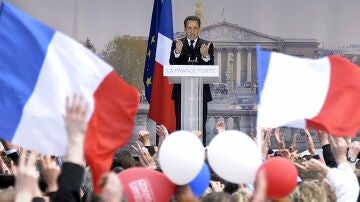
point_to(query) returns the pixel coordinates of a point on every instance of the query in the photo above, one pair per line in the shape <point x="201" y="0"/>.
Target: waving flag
<point x="298" y="92"/>
<point x="151" y="49"/>
<point x="39" y="68"/>
<point x="158" y="89"/>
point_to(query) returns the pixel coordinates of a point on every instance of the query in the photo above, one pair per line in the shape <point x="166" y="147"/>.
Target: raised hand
<point x="266" y="144"/>
<point x="76" y="126"/>
<point x="179" y="46"/>
<point x="259" y="194"/>
<point x="354" y="149"/>
<point x="323" y="138"/>
<point x="220" y="126"/>
<point x="217" y="186"/>
<point x="75" y="118"/>
<point x="162" y="132"/>
<point x="145" y="159"/>
<point x="27" y="177"/>
<point x="316" y="165"/>
<point x="51" y="172"/>
<point x="293" y="143"/>
<point x="338" y="148"/>
<point x="113" y="189"/>
<point x="204" y="49"/>
<point x="310" y="142"/>
<point x="279" y="139"/>
<point x="144" y="137"/>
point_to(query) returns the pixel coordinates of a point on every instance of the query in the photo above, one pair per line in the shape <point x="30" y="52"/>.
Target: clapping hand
<point x="179" y="46"/>
<point x="162" y="132"/>
<point x="204" y="49"/>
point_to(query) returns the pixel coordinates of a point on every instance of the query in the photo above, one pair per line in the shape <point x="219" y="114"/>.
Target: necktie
<point x="192" y="44"/>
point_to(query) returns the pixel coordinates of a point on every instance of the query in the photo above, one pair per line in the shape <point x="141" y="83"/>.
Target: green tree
<point x="127" y="55"/>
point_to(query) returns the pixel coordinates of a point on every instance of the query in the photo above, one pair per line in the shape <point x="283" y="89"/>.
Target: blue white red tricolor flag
<point x="39" y="68"/>
<point x="158" y="89"/>
<point x="321" y="94"/>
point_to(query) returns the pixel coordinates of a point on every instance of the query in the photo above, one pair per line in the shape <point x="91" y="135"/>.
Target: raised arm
<point x="72" y="168"/>
<point x="310" y="143"/>
<point x="279" y="139"/>
<point x="327" y="153"/>
<point x="342" y="179"/>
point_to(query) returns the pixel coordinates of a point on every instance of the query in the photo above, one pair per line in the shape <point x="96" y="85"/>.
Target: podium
<point x="192" y="78"/>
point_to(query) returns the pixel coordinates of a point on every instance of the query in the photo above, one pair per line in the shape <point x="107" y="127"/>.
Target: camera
<point x="13" y="154"/>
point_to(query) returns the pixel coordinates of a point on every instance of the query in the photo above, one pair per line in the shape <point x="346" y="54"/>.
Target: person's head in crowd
<point x="230" y="187"/>
<point x="330" y="193"/>
<point x="124" y="159"/>
<point x="241" y="195"/>
<point x="309" y="190"/>
<point x="217" y="196"/>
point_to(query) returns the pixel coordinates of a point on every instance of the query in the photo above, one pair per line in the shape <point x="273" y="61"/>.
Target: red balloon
<point x="142" y="184"/>
<point x="281" y="176"/>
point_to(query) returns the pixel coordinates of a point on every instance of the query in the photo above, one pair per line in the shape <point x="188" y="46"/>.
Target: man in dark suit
<point x="191" y="50"/>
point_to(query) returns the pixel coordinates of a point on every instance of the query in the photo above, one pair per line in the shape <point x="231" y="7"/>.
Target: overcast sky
<point x="334" y="23"/>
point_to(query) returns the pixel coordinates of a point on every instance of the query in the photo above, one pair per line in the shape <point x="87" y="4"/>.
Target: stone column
<point x="248" y="76"/>
<point x="228" y="68"/>
<point x="219" y="61"/>
<point x="238" y="67"/>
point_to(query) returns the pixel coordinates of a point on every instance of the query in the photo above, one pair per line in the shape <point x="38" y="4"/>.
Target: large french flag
<point x="39" y="67"/>
<point x="162" y="109"/>
<point x="321" y="94"/>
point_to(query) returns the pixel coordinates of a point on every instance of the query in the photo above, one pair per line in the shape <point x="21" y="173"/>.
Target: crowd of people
<point x="29" y="176"/>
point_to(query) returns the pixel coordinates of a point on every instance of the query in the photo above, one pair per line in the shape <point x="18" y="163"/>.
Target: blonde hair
<point x="242" y="195"/>
<point x="310" y="190"/>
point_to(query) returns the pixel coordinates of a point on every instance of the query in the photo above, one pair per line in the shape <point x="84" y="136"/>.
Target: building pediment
<point x="225" y="31"/>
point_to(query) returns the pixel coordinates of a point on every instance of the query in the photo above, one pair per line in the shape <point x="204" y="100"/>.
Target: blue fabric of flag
<point x="23" y="47"/>
<point x="151" y="49"/>
<point x="166" y="21"/>
<point x="263" y="59"/>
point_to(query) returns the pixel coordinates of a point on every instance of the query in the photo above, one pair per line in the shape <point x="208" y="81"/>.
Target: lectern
<point x="192" y="78"/>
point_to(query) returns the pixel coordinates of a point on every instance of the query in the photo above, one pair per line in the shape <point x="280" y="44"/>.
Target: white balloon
<point x="181" y="157"/>
<point x="234" y="156"/>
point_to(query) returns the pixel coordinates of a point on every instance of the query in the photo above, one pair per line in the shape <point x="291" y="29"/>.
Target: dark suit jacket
<point x="186" y="52"/>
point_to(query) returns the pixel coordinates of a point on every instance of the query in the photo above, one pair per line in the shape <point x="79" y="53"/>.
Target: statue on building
<point x="199" y="13"/>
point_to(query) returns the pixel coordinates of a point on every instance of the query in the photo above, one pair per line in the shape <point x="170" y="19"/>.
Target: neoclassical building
<point x="235" y="51"/>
